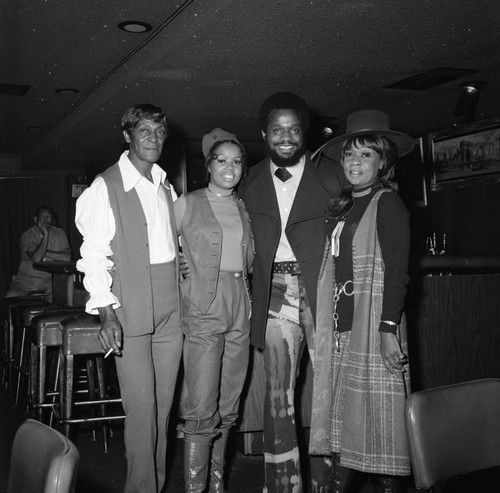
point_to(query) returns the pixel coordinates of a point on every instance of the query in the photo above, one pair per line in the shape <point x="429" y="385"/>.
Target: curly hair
<point x="284" y="101"/>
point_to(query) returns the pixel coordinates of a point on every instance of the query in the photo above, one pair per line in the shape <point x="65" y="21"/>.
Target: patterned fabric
<point x="361" y="389"/>
<point x="289" y="322"/>
<point x="372" y="395"/>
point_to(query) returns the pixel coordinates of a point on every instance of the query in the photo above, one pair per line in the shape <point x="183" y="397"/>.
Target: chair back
<point x="42" y="461"/>
<point x="453" y="430"/>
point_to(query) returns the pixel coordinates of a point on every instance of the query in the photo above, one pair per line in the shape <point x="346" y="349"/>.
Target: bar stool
<point x="10" y="305"/>
<point x="46" y="336"/>
<point x="79" y="338"/>
<point x="21" y="318"/>
<point x="5" y="325"/>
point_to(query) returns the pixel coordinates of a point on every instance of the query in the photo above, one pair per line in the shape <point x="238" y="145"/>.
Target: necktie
<point x="283" y="174"/>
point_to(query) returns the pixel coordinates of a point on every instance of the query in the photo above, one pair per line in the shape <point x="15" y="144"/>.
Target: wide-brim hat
<point x="216" y="135"/>
<point x="365" y="122"/>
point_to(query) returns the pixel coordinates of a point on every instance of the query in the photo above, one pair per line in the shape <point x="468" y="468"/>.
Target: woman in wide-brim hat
<point x="358" y="401"/>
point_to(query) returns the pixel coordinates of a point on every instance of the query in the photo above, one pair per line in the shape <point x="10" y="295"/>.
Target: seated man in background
<point x="43" y="241"/>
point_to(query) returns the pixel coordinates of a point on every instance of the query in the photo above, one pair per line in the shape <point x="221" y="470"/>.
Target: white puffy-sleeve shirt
<point x="95" y="220"/>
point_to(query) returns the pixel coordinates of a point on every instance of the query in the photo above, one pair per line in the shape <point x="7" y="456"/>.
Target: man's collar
<point x="131" y="176"/>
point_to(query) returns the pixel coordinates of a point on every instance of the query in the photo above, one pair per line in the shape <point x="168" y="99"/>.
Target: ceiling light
<point x="135" y="27"/>
<point x="327" y="131"/>
<point x="67" y="90"/>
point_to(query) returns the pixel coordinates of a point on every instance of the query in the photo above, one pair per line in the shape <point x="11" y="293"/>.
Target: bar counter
<point x="64" y="277"/>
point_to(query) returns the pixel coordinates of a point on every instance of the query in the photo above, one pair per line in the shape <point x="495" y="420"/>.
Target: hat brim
<point x="332" y="149"/>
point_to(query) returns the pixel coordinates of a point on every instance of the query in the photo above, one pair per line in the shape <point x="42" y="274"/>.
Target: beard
<point x="285" y="162"/>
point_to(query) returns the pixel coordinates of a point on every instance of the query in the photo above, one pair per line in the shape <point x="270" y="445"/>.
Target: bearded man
<point x="286" y="196"/>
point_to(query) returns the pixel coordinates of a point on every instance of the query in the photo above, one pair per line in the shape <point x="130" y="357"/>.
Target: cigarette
<point x="109" y="352"/>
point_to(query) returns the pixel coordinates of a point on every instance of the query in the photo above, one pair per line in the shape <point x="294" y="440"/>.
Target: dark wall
<point x="466" y="212"/>
<point x="469" y="216"/>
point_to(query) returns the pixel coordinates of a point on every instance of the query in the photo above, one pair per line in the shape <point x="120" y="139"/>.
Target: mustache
<point x="286" y="143"/>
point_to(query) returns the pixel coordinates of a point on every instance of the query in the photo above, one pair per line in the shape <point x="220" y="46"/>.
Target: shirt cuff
<point x="388" y="326"/>
<point x="101" y="300"/>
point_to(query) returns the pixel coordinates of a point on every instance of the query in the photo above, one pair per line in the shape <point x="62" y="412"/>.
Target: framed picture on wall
<point x="466" y="153"/>
<point x="410" y="176"/>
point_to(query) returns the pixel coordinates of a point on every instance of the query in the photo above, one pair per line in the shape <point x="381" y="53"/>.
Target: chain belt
<point x="340" y="288"/>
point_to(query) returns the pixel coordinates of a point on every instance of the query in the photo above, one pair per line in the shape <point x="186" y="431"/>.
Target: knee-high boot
<point x="389" y="484"/>
<point x="341" y="476"/>
<point x="217" y="463"/>
<point x="196" y="456"/>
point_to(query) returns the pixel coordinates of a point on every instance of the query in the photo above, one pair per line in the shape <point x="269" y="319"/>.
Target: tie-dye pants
<point x="289" y="326"/>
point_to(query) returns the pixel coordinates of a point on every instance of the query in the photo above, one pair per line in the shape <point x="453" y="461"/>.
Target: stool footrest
<point x="96" y="419"/>
<point x="43" y="405"/>
<point x="98" y="401"/>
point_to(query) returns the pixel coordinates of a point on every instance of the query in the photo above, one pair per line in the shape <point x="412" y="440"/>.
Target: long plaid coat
<point x="358" y="406"/>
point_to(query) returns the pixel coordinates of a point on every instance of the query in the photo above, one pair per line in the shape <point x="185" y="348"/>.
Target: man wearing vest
<point x="131" y="264"/>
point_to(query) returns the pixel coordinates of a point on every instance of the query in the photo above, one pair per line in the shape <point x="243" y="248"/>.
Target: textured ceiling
<point x="211" y="63"/>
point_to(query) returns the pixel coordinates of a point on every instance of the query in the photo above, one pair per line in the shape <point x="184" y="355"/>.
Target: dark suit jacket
<point x="305" y="229"/>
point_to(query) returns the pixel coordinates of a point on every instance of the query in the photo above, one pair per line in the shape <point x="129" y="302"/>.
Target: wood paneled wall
<point x="454" y="329"/>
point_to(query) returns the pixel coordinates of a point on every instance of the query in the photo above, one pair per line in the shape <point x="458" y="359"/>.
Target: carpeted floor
<point x="101" y="472"/>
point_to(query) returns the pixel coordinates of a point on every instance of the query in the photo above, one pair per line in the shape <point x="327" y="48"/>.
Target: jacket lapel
<point x="263" y="200"/>
<point x="306" y="204"/>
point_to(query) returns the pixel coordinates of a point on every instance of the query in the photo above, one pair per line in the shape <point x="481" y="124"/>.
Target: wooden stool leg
<point x="101" y="380"/>
<point x="92" y="391"/>
<point x="33" y="381"/>
<point x="20" y="367"/>
<point x="54" y="378"/>
<point x="41" y="361"/>
<point x="5" y="350"/>
<point x="10" y="353"/>
<point x="66" y="392"/>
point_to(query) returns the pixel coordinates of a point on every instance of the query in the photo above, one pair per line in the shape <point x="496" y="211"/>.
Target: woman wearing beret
<point x="217" y="242"/>
<point x="361" y="374"/>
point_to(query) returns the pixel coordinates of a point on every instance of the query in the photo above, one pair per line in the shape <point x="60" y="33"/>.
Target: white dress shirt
<point x="95" y="220"/>
<point x="285" y="193"/>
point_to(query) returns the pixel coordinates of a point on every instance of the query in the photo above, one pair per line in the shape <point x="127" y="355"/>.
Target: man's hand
<point x="111" y="333"/>
<point x="44" y="225"/>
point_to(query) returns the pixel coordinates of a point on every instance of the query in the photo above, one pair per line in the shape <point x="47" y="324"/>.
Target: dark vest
<point x="132" y="274"/>
<point x="201" y="237"/>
